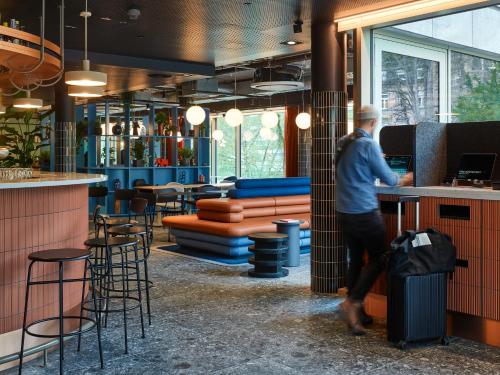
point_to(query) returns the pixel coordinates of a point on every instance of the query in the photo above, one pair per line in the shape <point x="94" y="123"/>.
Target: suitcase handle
<point x="404" y="199"/>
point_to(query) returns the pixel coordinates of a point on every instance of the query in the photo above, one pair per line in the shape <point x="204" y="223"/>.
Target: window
<point x="244" y="153"/>
<point x="475" y="88"/>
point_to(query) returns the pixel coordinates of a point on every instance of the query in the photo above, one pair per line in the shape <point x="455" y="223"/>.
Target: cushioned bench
<point x="222" y="225"/>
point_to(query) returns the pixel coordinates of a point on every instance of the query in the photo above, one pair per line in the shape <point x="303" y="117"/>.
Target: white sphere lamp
<point x="218" y="135"/>
<point x="248" y="136"/>
<point x="270" y="119"/>
<point x="180" y="138"/>
<point x="195" y="115"/>
<point x="303" y="120"/>
<point x="234" y="117"/>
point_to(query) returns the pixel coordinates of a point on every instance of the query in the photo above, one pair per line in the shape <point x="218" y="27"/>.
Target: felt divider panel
<point x="398" y="139"/>
<point x="429" y="159"/>
<point x="476" y="137"/>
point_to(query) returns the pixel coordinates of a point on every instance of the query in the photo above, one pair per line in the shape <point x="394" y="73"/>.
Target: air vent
<point x="285" y="78"/>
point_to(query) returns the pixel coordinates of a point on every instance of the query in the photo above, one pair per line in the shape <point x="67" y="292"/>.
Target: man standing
<point x="359" y="161"/>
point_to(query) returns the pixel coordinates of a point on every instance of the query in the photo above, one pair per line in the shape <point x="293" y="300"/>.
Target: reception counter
<point x="47" y="212"/>
<point x="471" y="216"/>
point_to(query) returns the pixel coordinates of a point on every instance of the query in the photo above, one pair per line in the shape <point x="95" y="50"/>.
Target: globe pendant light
<point x="86" y="91"/>
<point x="248" y="136"/>
<point x="270" y="119"/>
<point x="195" y="115"/>
<point x="234" y="117"/>
<point x="28" y="102"/>
<point x="85" y="77"/>
<point x="218" y="135"/>
<point x="303" y="120"/>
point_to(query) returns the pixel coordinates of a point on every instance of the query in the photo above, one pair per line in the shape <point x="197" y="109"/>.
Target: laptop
<point x="400" y="164"/>
<point x="476" y="167"/>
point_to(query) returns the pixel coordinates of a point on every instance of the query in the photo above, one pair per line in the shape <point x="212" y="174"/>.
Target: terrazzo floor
<point x="211" y="319"/>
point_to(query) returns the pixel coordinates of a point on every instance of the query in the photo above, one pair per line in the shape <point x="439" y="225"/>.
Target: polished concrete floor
<point x="210" y="319"/>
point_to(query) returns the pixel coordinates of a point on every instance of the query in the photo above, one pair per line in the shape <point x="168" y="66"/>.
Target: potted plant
<point x="161" y="122"/>
<point x="185" y="156"/>
<point x="139" y="149"/>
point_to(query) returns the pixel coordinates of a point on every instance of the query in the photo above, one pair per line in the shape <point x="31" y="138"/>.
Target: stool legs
<point x="145" y="245"/>
<point x="97" y="314"/>
<point x="138" y="278"/>
<point x="124" y="301"/>
<point x="61" y="318"/>
<point x="25" y="317"/>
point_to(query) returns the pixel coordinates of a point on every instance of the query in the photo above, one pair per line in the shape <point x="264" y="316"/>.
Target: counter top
<point x="47" y="179"/>
<point x="443" y="192"/>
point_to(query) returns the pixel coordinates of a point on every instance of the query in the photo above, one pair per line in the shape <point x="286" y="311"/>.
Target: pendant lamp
<point x="303" y="119"/>
<point x="85" y="77"/>
<point x="86" y="91"/>
<point x="218" y="135"/>
<point x="234" y="117"/>
<point x="28" y="102"/>
<point x="195" y="115"/>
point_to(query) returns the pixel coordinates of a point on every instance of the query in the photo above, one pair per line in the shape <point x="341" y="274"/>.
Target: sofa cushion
<point x="292" y="200"/>
<point x="297" y="209"/>
<point x="272" y="182"/>
<point x="220" y="205"/>
<point x="224" y="217"/>
<point x="269" y="192"/>
<point x="259" y="212"/>
<point x="246" y="227"/>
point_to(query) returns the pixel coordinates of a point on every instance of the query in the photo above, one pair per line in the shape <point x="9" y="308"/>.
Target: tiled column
<point x="329" y="123"/>
<point x="65" y="131"/>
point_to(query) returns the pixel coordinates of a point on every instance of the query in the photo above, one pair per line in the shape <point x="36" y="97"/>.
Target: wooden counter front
<point x="34" y="219"/>
<point x="474" y="291"/>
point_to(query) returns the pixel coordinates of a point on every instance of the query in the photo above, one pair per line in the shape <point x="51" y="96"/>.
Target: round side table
<point x="269" y="258"/>
<point x="292" y="229"/>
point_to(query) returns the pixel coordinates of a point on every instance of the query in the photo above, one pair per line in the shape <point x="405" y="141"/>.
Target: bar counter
<point x="50" y="211"/>
<point x="471" y="216"/>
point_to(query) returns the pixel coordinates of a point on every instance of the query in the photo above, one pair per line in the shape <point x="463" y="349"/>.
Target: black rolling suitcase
<point x="416" y="301"/>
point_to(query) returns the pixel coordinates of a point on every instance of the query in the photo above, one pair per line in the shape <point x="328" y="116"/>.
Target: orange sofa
<point x="222" y="225"/>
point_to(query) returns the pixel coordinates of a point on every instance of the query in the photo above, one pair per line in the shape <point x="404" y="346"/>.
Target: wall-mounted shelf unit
<point x="142" y="151"/>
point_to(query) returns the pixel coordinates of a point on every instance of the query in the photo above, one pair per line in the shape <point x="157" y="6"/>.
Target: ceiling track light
<point x="86" y="77"/>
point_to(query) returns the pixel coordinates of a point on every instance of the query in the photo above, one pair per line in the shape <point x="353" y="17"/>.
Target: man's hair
<point x="366" y="113"/>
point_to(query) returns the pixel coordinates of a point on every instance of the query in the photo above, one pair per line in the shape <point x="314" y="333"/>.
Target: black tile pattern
<point x="305" y="143"/>
<point x="65" y="146"/>
<point x="328" y="255"/>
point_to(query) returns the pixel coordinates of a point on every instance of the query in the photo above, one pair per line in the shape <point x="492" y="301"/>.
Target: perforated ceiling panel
<point x="213" y="31"/>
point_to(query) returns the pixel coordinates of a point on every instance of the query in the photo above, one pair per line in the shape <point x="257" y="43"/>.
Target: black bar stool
<point x="60" y="256"/>
<point x="139" y="232"/>
<point x="112" y="266"/>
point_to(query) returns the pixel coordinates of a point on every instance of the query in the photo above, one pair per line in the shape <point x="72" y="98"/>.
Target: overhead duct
<point x="202" y="88"/>
<point x="285" y="78"/>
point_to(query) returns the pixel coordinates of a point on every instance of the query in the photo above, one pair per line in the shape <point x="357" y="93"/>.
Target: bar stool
<point x="105" y="251"/>
<point x="60" y="256"/>
<point x="110" y="221"/>
<point x="139" y="232"/>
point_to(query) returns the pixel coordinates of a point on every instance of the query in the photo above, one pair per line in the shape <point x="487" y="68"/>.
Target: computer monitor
<point x="476" y="167"/>
<point x="399" y="164"/>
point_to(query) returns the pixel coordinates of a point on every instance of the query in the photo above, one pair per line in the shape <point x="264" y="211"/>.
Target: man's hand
<point x="406" y="180"/>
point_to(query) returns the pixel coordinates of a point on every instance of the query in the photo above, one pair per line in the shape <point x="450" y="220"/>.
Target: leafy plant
<point x="21" y="133"/>
<point x="139" y="149"/>
<point x="44" y="156"/>
<point x="185" y="154"/>
<point x="162" y="119"/>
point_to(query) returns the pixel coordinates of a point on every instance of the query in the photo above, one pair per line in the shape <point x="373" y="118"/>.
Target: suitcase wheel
<point x="402" y="345"/>
<point x="445" y="341"/>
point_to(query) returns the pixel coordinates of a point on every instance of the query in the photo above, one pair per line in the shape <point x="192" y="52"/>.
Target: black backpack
<point x="422" y="253"/>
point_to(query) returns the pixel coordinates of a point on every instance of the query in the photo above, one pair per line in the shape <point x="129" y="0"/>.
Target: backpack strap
<point x="343" y="146"/>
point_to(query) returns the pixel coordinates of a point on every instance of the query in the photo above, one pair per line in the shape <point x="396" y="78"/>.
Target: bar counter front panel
<point x="48" y="213"/>
<point x="474" y="225"/>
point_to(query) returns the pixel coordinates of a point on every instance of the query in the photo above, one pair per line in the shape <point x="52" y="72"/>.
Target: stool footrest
<point x="56" y="318"/>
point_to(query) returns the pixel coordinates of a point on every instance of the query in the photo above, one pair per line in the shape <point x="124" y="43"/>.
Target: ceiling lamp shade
<point x="234" y="117"/>
<point x="86" y="91"/>
<point x="303" y="120"/>
<point x="85" y="77"/>
<point x="270" y="119"/>
<point x="28" y="102"/>
<point x="218" y="135"/>
<point x="266" y="133"/>
<point x="195" y="115"/>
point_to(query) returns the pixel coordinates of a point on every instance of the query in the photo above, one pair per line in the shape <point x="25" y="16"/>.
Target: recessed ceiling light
<point x="291" y="42"/>
<point x="123" y="22"/>
<point x="70" y="27"/>
<point x="105" y="18"/>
